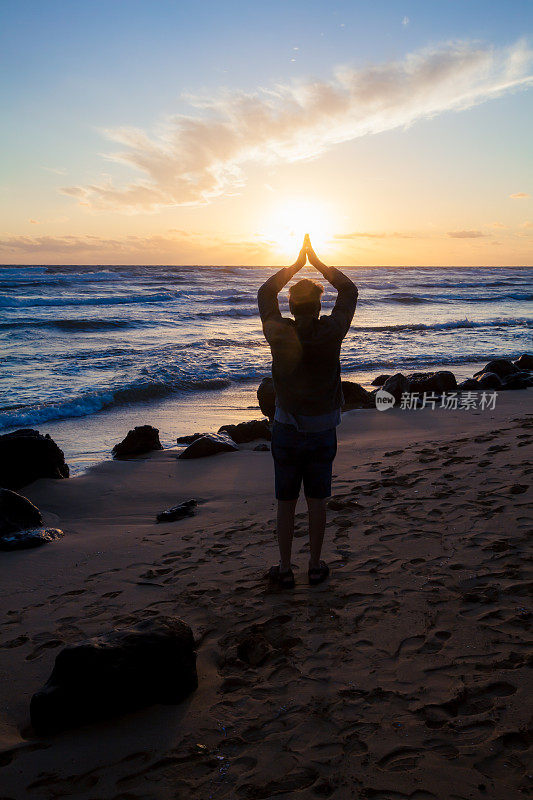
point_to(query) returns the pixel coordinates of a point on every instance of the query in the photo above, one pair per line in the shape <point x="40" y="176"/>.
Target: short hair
<point x="304" y="296"/>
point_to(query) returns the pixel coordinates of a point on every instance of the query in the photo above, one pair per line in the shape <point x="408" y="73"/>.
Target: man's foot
<point x="318" y="574"/>
<point x="283" y="580"/>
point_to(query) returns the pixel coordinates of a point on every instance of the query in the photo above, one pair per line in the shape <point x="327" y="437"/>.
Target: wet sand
<point x="406" y="675"/>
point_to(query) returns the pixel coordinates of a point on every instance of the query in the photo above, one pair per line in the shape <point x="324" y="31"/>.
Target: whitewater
<point x="79" y="343"/>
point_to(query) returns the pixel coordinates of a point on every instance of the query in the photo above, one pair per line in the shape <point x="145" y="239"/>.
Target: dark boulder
<point x="189" y="439"/>
<point x="32" y="537"/>
<point x="501" y="367"/>
<point x="524" y="362"/>
<point x="380" y="380"/>
<point x="248" y="431"/>
<point x="208" y="445"/>
<point x="140" y="440"/>
<point x="469" y="385"/>
<point x="266" y="397"/>
<point x="489" y="380"/>
<point x="396" y="385"/>
<point x="436" y="382"/>
<point x="154" y="662"/>
<point x="518" y="381"/>
<point x="26" y="456"/>
<point x="355" y="396"/>
<point x="262" y="448"/>
<point x="17" y="513"/>
<point x="185" y="509"/>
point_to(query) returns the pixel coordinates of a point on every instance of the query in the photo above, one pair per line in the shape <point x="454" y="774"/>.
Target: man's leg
<point x="285" y="531"/>
<point x="317" y="525"/>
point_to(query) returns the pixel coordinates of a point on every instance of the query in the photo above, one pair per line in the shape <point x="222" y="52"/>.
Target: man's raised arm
<point x="344" y="308"/>
<point x="267" y="296"/>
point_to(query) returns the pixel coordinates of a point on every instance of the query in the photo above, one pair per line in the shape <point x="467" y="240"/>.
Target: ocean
<point x="88" y="352"/>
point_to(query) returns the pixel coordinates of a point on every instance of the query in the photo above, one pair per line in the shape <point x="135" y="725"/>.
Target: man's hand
<point x="312" y="256"/>
<point x="302" y="255"/>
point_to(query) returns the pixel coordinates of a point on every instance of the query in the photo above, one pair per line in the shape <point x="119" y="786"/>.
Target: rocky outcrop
<point x="436" y="382"/>
<point x="266" y="397"/>
<point x="208" y="445"/>
<point x="380" y="380"/>
<point x="248" y="431"/>
<point x="501" y="367"/>
<point x="26" y="456"/>
<point x="185" y="509"/>
<point x="355" y="396"/>
<point x="499" y="374"/>
<point x="520" y="380"/>
<point x="524" y="362"/>
<point x="396" y="385"/>
<point x="17" y="513"/>
<point x="489" y="380"/>
<point x="20" y="523"/>
<point x="140" y="440"/>
<point x="29" y="538"/>
<point x="189" y="439"/>
<point x="154" y="662"/>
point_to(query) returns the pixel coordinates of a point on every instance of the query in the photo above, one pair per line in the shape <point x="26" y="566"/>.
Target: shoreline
<point x="88" y="440"/>
<point x="434" y="523"/>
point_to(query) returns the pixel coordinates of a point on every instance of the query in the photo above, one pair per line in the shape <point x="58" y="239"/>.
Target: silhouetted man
<point x="307" y="380"/>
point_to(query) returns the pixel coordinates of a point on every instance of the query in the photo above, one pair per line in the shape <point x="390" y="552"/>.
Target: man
<point x="307" y="380"/>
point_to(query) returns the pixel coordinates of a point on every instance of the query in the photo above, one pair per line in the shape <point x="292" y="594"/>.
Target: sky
<point x="166" y="132"/>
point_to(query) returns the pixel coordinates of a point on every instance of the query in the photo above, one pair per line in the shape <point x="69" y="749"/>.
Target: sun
<point x="288" y="221"/>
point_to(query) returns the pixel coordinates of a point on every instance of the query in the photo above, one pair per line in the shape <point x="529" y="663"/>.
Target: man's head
<point x="304" y="298"/>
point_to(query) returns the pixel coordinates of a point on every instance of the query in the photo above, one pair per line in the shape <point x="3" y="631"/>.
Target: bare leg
<point x="285" y="530"/>
<point x="317" y="526"/>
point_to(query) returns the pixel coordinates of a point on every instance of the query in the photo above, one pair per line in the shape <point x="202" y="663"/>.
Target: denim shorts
<point x="300" y="456"/>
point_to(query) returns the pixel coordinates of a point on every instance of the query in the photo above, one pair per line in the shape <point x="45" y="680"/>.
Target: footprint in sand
<point x="401" y="758"/>
<point x="20" y="640"/>
<point x="469" y="701"/>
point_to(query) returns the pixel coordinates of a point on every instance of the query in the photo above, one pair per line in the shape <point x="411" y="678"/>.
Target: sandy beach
<point x="406" y="675"/>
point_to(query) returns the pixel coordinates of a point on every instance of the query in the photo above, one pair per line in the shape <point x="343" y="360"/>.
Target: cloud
<point x="519" y="196"/>
<point x="405" y="21"/>
<point x="466" y="234"/>
<point x="172" y="247"/>
<point x="191" y="159"/>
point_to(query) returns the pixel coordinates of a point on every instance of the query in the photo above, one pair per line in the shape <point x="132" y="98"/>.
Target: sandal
<point x="318" y="574"/>
<point x="284" y="580"/>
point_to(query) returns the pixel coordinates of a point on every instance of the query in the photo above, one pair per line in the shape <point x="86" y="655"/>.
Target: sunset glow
<point x="286" y="225"/>
<point x="391" y="138"/>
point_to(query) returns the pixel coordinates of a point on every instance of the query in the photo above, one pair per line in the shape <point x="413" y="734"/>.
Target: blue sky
<point x="72" y="69"/>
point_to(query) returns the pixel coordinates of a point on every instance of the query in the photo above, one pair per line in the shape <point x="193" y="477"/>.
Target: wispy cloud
<point x="466" y="234"/>
<point x="192" y="159"/>
<point x="519" y="196"/>
<point x="171" y="247"/>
